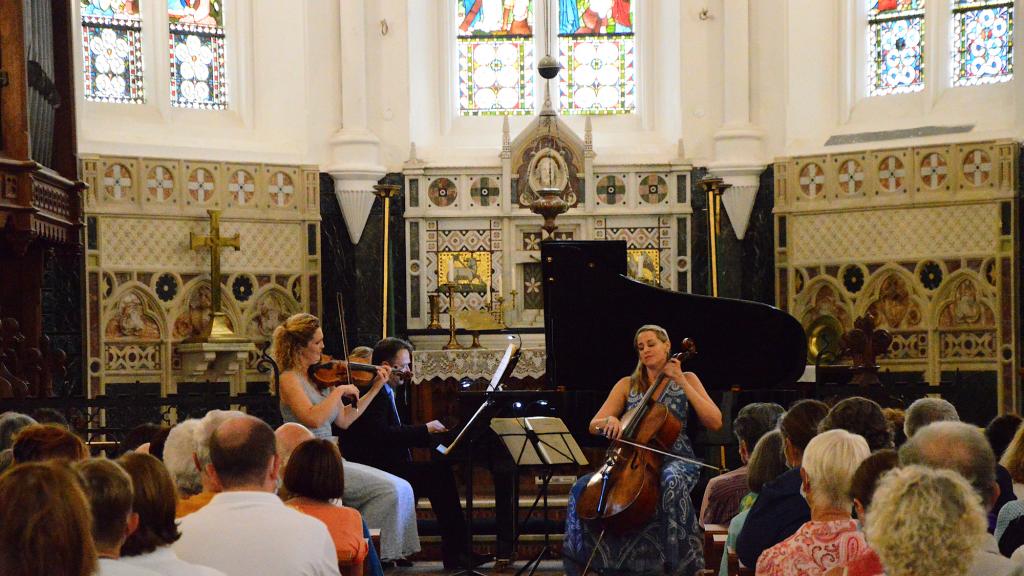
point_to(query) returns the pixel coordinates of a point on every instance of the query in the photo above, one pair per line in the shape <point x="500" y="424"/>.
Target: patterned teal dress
<point x="671" y="543"/>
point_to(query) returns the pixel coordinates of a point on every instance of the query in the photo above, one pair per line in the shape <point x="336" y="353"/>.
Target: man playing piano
<point x="380" y="439"/>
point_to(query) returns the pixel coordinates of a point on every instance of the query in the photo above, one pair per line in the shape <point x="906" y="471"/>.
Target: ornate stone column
<point x="739" y="148"/>
<point x="355" y="162"/>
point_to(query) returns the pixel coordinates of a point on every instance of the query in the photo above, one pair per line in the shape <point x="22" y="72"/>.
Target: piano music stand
<point x="538" y="441"/>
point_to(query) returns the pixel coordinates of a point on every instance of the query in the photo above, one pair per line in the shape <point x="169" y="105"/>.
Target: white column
<point x="355" y="150"/>
<point x="739" y="148"/>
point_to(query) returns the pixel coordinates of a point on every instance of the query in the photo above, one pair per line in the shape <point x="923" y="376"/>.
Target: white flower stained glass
<point x="598" y="56"/>
<point x="112" y="51"/>
<point x="198" y="68"/>
<point x="895" y="46"/>
<point x="982" y="50"/>
<point x="495" y="53"/>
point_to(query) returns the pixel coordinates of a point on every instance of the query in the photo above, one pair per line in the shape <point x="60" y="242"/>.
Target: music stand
<point x="471" y="431"/>
<point x="538" y="441"/>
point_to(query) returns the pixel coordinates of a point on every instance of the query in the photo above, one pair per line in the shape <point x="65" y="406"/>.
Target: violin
<point x="624" y="493"/>
<point x="330" y="372"/>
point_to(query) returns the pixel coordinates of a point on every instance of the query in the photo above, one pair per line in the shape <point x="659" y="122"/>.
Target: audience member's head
<point x="768" y="461"/>
<point x="865" y="479"/>
<point x="50" y="416"/>
<point x="753" y="422"/>
<point x="141" y="434"/>
<point x="798" y="425"/>
<point x="896" y="417"/>
<point x="47" y="442"/>
<point x="243" y="455"/>
<point x="46" y="522"/>
<point x="289" y="435"/>
<point x="924" y="411"/>
<point x="925" y="521"/>
<point x="6" y="459"/>
<point x="187" y="450"/>
<point x="1013" y="456"/>
<point x="959" y="447"/>
<point x="860" y="416"/>
<point x="829" y="462"/>
<point x="109" y="489"/>
<point x="1000" y="432"/>
<point x="364" y="353"/>
<point x="10" y="424"/>
<point x="314" y="471"/>
<point x="154" y="504"/>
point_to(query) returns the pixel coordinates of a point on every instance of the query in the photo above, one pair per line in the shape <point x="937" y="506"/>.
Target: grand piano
<point x="592" y="310"/>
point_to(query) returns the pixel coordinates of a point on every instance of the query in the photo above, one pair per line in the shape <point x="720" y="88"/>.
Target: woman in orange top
<point x="315" y="478"/>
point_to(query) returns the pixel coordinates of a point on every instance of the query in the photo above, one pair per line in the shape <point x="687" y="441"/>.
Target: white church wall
<point x="282" y="66"/>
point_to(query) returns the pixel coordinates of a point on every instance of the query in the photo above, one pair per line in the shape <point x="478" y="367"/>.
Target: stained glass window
<point x="597" y="51"/>
<point x="495" y="51"/>
<point x="895" y="46"/>
<point x="982" y="41"/>
<point x="198" y="75"/>
<point x="112" y="51"/>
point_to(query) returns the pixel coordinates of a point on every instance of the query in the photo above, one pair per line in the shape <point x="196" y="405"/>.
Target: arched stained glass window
<point x="198" y="74"/>
<point x="495" y="52"/>
<point x="982" y="41"/>
<point x="112" y="51"/>
<point x="895" y="46"/>
<point x="597" y="51"/>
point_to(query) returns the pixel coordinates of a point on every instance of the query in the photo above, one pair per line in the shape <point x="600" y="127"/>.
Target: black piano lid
<point x="592" y="310"/>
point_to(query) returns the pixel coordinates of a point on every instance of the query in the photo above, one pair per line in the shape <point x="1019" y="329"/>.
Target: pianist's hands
<point x="435" y="427"/>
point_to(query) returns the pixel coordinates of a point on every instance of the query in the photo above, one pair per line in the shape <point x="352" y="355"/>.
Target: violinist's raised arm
<point x="670" y="542"/>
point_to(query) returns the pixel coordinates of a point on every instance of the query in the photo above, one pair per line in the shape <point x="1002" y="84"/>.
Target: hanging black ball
<point x="548" y="67"/>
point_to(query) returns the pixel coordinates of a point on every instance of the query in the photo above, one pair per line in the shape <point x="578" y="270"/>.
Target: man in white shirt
<point x="110" y="493"/>
<point x="246" y="529"/>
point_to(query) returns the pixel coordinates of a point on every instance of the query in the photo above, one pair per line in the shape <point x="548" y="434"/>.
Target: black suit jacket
<point x="378" y="439"/>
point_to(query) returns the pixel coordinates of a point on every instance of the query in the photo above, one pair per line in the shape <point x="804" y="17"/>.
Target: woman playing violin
<point x="298" y="345"/>
<point x="671" y="541"/>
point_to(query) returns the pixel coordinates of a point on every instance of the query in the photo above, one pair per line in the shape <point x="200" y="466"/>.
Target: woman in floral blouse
<point x="831" y="537"/>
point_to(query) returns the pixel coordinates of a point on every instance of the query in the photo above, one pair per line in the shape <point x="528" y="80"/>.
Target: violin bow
<point x="344" y="332"/>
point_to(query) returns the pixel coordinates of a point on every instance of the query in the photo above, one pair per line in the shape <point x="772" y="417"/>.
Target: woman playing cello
<point x="670" y="542"/>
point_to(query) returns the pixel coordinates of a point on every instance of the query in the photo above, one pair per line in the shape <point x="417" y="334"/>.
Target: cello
<point x="623" y="494"/>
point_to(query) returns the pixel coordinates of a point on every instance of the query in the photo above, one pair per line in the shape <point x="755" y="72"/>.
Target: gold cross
<point x="214" y="242"/>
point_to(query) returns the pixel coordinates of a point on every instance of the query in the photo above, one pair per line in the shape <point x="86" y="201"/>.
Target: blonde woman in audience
<point x="149" y="547"/>
<point x="46" y="524"/>
<point x="925" y="521"/>
<point x="831" y="537"/>
<point x="316" y="481"/>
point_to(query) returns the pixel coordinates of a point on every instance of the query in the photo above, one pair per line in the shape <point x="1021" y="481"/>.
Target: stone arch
<point x="964" y="300"/>
<point x="271" y="305"/>
<point x="892" y="296"/>
<point x="132" y="312"/>
<point x="193" y="312"/>
<point x="825" y="298"/>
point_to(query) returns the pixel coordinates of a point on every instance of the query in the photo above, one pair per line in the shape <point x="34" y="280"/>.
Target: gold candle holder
<point x="453" y="342"/>
<point x="435" y="311"/>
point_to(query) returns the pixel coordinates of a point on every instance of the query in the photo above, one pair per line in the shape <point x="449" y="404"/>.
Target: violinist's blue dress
<point x="671" y="543"/>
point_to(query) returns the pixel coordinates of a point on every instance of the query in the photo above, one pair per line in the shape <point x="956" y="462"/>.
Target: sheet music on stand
<point x="505" y="368"/>
<point x="538" y="440"/>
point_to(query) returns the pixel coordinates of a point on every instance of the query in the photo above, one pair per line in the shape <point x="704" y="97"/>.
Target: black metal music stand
<point x="544" y="442"/>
